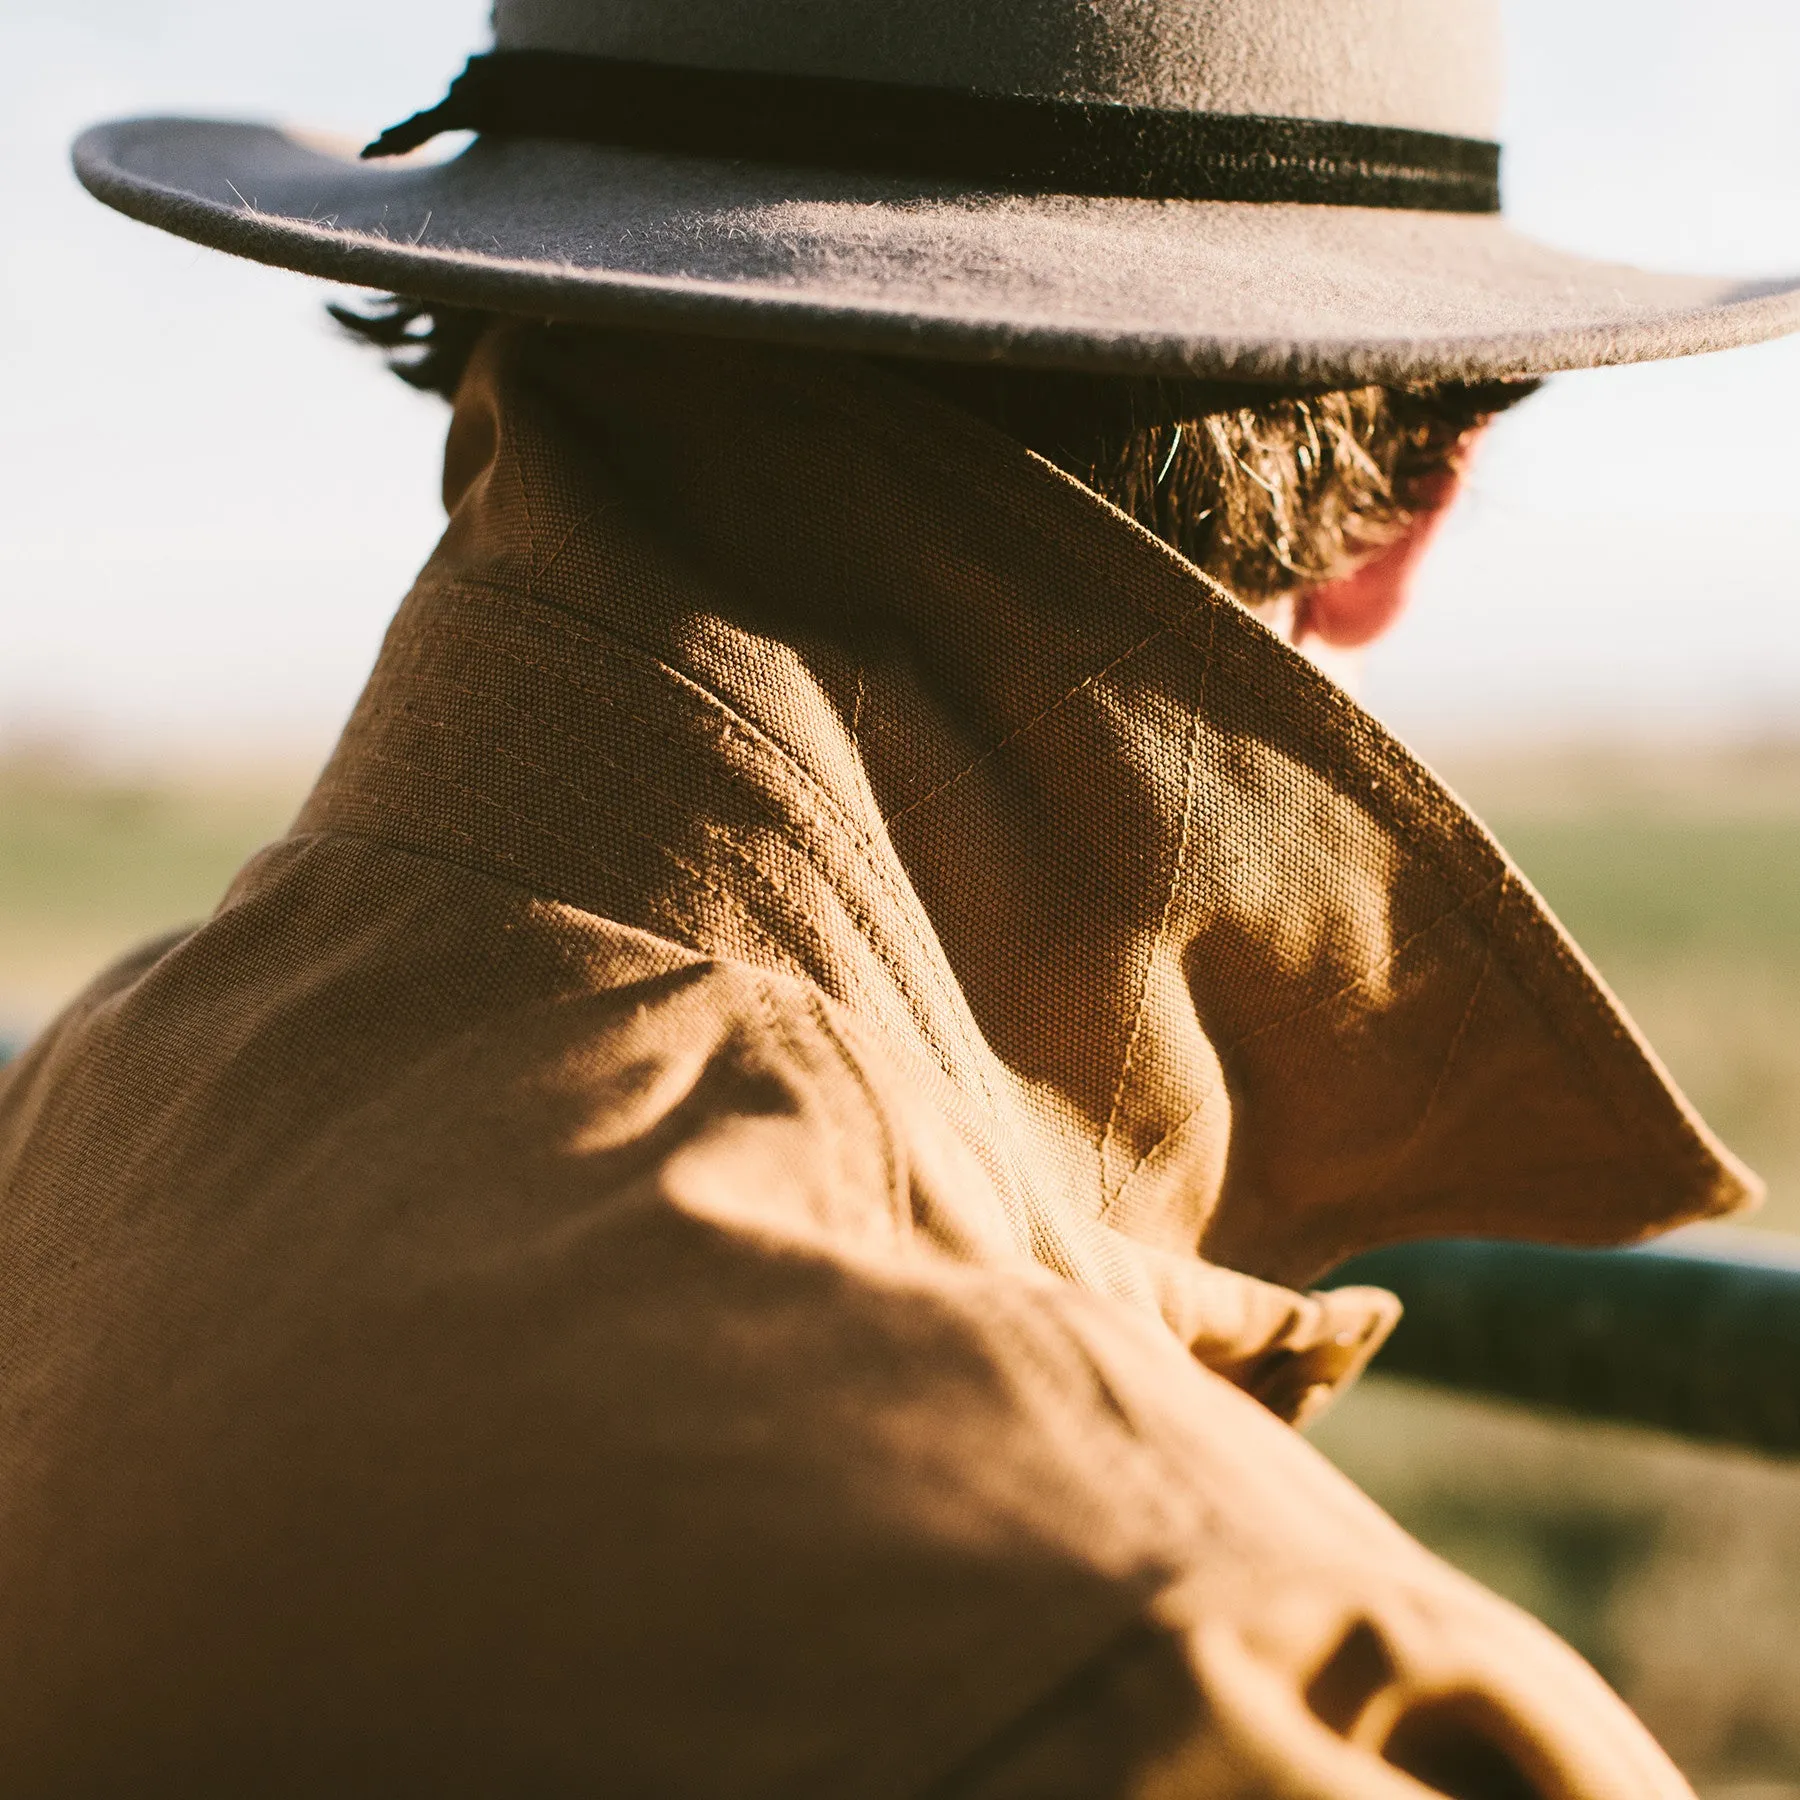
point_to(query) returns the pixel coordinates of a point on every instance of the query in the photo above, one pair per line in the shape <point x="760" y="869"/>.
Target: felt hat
<point x="1291" y="190"/>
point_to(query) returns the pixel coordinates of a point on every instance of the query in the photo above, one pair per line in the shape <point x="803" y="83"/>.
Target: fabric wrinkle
<point x="656" y="1269"/>
<point x="1450" y="1054"/>
<point x="730" y="721"/>
<point x="1393" y="956"/>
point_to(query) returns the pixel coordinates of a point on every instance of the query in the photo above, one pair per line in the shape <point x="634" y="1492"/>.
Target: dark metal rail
<point x="1698" y="1335"/>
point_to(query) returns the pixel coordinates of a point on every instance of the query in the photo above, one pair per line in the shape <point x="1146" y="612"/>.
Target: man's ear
<point x="1357" y="608"/>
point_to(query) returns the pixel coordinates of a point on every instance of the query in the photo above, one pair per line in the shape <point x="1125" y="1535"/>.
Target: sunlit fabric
<point x="715" y="1219"/>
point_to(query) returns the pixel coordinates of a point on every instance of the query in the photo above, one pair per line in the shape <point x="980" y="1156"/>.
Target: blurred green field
<point x="92" y="863"/>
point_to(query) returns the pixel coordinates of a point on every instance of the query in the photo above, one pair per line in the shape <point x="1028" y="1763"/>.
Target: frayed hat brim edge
<point x="210" y="182"/>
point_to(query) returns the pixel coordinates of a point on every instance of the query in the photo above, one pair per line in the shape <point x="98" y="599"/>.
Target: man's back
<point x="654" y="1244"/>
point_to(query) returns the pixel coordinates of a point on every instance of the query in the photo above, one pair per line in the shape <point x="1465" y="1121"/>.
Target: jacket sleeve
<point x="576" y="1409"/>
<point x="1177" y="1708"/>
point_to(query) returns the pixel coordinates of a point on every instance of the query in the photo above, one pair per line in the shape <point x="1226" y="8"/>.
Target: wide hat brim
<point x="583" y="232"/>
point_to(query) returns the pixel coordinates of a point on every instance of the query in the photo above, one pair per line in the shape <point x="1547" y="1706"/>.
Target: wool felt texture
<point x="1251" y="286"/>
<point x="708" y="1223"/>
<point x="1271" y="292"/>
<point x="1432" y="65"/>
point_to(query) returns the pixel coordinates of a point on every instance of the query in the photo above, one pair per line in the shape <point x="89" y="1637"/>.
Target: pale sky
<point x="209" y="507"/>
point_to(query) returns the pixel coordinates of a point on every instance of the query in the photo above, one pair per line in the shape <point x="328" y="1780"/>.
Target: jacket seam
<point x="793" y="827"/>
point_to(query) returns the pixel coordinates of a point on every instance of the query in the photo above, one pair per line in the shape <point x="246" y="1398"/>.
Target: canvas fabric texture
<point x="728" y="1213"/>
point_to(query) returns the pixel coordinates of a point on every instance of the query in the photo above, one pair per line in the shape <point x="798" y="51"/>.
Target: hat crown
<point x="1433" y="65"/>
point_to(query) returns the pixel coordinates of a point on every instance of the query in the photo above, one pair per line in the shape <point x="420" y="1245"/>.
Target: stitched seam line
<point x="530" y="877"/>
<point x="583" y="632"/>
<point x="1376" y="968"/>
<point x="774" y="1017"/>
<point x="1013" y="736"/>
<point x="733" y="722"/>
<point x="1226" y="1049"/>
<point x="794" y="824"/>
<point x="1189" y="789"/>
<point x="1156" y="1150"/>
<point x="789" y="903"/>
<point x="792" y="905"/>
<point x="480" y="864"/>
<point x="899" y="1204"/>
<point x="1594" y="1016"/>
<point x="1443" y="1076"/>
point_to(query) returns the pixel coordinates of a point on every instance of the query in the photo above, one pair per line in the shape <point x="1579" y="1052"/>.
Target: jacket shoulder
<point x="354" y="1006"/>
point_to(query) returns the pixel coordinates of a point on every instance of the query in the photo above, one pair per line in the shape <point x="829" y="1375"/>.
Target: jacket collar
<point x="780" y="658"/>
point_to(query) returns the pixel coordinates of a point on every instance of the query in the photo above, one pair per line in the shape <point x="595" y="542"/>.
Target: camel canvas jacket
<point x="729" y="1214"/>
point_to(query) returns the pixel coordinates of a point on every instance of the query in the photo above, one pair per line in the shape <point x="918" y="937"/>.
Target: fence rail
<point x="1697" y="1335"/>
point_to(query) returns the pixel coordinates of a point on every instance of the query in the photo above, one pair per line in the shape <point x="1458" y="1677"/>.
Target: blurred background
<point x="209" y="507"/>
